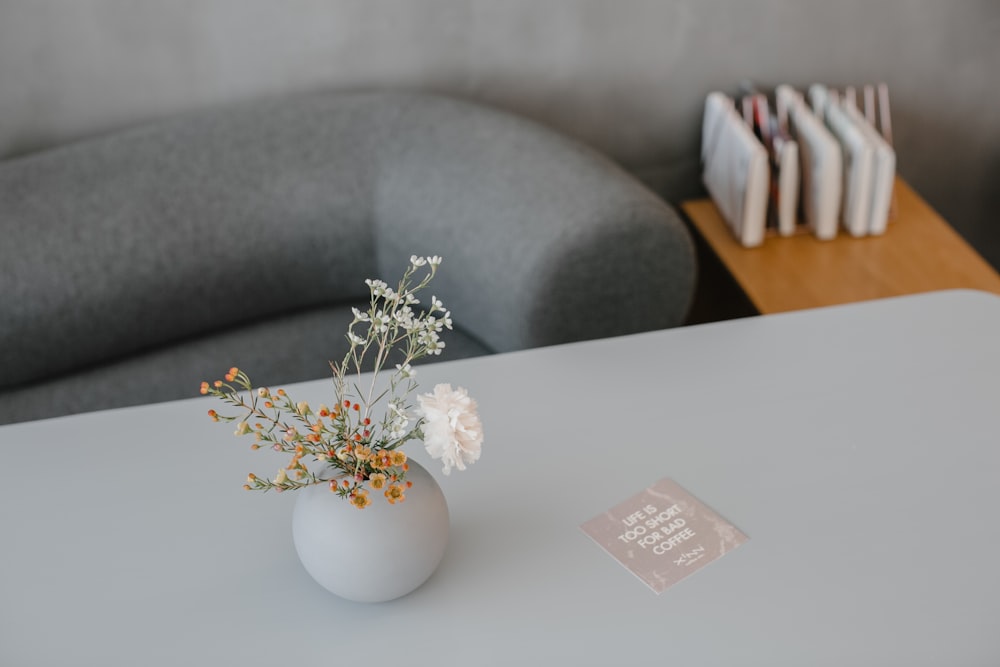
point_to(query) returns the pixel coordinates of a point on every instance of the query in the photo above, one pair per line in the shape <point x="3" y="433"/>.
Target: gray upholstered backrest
<point x="150" y="236"/>
<point x="160" y="234"/>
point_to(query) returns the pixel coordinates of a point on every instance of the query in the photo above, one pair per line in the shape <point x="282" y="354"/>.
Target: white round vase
<point x="374" y="554"/>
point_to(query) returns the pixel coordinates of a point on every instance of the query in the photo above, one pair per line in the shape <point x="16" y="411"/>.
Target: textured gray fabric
<point x="275" y="351"/>
<point x="119" y="244"/>
<point x="165" y="250"/>
<point x="547" y="241"/>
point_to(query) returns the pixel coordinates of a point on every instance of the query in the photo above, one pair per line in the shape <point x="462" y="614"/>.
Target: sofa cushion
<point x="293" y="348"/>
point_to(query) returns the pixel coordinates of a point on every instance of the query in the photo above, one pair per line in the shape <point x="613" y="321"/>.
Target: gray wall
<point x="627" y="76"/>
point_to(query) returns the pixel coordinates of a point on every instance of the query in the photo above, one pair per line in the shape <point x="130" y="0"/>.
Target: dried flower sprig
<point x="358" y="451"/>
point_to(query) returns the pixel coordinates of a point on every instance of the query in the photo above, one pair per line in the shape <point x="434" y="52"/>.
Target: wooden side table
<point x="920" y="252"/>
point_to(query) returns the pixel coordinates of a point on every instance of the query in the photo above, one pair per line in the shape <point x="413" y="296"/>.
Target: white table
<point x="857" y="446"/>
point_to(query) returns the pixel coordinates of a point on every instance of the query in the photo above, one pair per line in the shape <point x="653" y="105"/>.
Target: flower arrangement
<point x="357" y="449"/>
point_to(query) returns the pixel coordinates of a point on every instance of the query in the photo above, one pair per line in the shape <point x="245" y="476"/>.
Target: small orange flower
<point x="204" y="387"/>
<point x="356" y="407"/>
<point x="217" y="384"/>
<point x="394" y="494"/>
<point x="397" y="457"/>
<point x="377" y="481"/>
<point x="281" y="392"/>
<point x="367" y="421"/>
<point x="360" y="499"/>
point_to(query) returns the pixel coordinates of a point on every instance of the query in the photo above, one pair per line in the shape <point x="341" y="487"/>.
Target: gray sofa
<point x="136" y="264"/>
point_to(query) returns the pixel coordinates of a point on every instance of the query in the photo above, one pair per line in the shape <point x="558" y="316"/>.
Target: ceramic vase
<point x="378" y="553"/>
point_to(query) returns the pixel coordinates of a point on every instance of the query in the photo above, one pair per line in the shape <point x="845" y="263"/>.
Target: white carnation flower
<point x="452" y="430"/>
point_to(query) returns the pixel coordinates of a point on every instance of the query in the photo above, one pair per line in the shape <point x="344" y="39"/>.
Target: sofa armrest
<point x="545" y="241"/>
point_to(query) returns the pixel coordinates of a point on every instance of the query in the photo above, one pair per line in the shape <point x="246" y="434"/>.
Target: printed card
<point x="663" y="534"/>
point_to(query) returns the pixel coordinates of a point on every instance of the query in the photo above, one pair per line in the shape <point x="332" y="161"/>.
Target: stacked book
<point x="820" y="164"/>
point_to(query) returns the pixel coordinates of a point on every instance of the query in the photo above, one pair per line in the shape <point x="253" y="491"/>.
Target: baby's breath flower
<point x="377" y="287"/>
<point x="417" y="262"/>
<point x="380" y="322"/>
<point x="404" y="317"/>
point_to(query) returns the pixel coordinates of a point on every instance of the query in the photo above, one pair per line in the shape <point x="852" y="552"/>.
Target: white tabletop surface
<point x="857" y="446"/>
